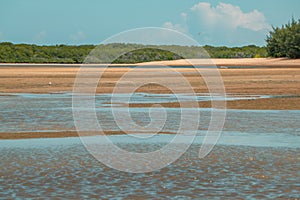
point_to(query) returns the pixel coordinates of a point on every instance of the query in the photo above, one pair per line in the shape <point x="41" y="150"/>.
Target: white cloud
<point x="78" y="36"/>
<point x="230" y="16"/>
<point x="176" y="27"/>
<point x="183" y="28"/>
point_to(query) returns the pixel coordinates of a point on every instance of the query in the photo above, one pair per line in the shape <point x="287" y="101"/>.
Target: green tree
<point x="285" y="41"/>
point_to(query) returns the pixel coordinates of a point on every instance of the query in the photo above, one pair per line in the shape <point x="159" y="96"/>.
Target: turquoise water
<point x="257" y="155"/>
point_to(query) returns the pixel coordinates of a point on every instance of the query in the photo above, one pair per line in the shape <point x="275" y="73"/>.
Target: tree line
<point x="119" y="53"/>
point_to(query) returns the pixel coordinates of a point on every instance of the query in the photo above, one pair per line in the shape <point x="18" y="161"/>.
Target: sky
<point x="217" y="23"/>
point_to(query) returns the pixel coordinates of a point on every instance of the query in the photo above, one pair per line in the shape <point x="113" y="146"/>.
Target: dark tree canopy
<point x="285" y="41"/>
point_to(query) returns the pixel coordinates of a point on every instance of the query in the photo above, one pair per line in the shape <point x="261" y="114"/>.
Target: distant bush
<point x="250" y="51"/>
<point x="285" y="41"/>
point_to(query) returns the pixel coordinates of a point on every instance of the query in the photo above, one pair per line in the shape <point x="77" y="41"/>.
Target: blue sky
<point x="227" y="22"/>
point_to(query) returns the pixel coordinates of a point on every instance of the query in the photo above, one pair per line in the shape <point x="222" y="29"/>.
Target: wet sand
<point x="281" y="77"/>
<point x="285" y="103"/>
<point x="61" y="134"/>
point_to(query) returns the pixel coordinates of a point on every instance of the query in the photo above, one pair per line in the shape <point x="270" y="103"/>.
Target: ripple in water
<point x="228" y="172"/>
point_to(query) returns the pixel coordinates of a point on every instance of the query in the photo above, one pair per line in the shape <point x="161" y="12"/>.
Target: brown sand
<point x="28" y="79"/>
<point x="274" y="80"/>
<point x="266" y="62"/>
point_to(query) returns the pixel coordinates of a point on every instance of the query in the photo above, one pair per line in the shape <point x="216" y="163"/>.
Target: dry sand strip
<point x="240" y="81"/>
<point x="262" y="62"/>
<point x="61" y="134"/>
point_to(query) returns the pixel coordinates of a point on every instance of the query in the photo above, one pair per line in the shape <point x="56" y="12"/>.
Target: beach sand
<point x="274" y="80"/>
<point x="266" y="62"/>
<point x="279" y="77"/>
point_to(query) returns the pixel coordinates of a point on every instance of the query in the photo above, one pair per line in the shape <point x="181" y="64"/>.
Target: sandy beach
<point x="149" y="100"/>
<point x="280" y="77"/>
<point x="263" y="62"/>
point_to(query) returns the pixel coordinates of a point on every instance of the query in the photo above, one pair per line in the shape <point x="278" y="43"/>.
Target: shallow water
<point x="69" y="171"/>
<point x="53" y="112"/>
<point x="257" y="155"/>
